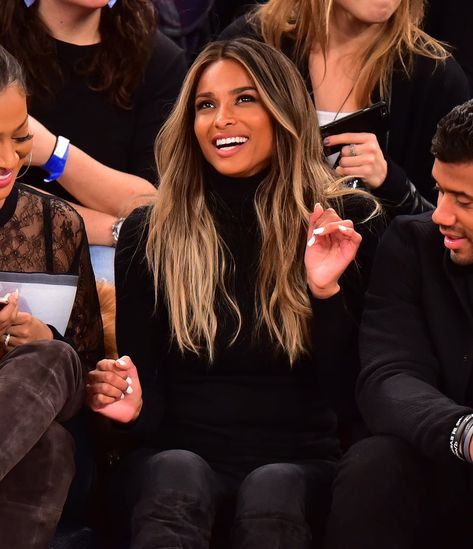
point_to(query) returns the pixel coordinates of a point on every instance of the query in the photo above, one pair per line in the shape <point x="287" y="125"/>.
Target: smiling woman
<point x="233" y="128"/>
<point x="234" y="271"/>
<point x="15" y="141"/>
<point x="43" y="242"/>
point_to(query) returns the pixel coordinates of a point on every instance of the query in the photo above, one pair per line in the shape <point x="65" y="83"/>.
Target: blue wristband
<point x="57" y="161"/>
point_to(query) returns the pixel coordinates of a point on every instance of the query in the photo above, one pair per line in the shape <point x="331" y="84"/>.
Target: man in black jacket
<point x="410" y="484"/>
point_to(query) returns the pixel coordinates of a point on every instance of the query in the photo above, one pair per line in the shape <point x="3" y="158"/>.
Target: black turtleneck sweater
<point x="249" y="406"/>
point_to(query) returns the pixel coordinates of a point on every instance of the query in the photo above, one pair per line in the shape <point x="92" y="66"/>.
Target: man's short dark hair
<point x="453" y="140"/>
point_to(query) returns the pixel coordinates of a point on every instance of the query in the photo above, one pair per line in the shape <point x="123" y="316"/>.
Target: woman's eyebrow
<point x="235" y="91"/>
<point x="22" y="124"/>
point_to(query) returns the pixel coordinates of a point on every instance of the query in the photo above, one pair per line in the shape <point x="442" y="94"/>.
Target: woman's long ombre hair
<point x="399" y="39"/>
<point x="188" y="258"/>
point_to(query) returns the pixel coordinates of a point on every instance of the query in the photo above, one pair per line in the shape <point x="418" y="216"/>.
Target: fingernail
<point x="122" y="396"/>
<point x="320" y="230"/>
<point x="317" y="205"/>
<point x="342" y="228"/>
<point x="121" y="362"/>
<point x="326" y="141"/>
<point x="311" y="241"/>
<point x="129" y="390"/>
<point x="129" y="380"/>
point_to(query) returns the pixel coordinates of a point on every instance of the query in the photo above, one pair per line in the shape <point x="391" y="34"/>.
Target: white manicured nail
<point x="129" y="390"/>
<point x="320" y="230"/>
<point x="129" y="380"/>
<point x="122" y="396"/>
<point x="342" y="228"/>
<point x="311" y="241"/>
<point x="121" y="362"/>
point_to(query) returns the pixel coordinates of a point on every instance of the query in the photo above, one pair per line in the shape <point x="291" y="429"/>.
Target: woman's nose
<point x="224" y="117"/>
<point x="9" y="157"/>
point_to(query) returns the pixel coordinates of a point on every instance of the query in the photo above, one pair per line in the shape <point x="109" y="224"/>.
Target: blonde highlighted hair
<point x="307" y="23"/>
<point x="188" y="258"/>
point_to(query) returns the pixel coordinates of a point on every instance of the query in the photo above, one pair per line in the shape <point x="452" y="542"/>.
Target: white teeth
<point x="231" y="141"/>
<point x="5" y="175"/>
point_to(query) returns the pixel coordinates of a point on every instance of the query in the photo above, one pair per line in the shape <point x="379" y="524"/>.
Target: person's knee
<point x="380" y="460"/>
<point x="278" y="488"/>
<point x="47" y="356"/>
<point x="178" y="471"/>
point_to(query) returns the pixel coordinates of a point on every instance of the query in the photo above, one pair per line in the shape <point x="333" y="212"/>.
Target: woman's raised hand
<point x="113" y="389"/>
<point x="332" y="244"/>
<point x="361" y="156"/>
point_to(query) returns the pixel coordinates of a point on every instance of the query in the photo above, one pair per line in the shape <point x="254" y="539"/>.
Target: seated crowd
<point x="227" y="299"/>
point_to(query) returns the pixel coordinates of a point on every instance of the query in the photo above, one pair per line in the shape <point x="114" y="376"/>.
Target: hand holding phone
<point x="361" y="156"/>
<point x="374" y="119"/>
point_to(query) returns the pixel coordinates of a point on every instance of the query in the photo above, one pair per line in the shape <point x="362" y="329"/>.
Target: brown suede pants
<point x="41" y="384"/>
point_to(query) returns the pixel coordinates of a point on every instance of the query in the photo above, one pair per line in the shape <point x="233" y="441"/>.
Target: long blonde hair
<point x="307" y="22"/>
<point x="187" y="256"/>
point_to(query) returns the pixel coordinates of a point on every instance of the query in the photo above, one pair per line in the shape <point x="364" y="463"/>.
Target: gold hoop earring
<point x="27" y="167"/>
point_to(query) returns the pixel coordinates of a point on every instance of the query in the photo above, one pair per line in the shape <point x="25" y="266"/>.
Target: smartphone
<point x="374" y="119"/>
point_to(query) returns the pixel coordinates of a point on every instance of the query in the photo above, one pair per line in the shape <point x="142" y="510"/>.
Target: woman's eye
<point x="204" y="105"/>
<point x="246" y="99"/>
<point x="23" y="139"/>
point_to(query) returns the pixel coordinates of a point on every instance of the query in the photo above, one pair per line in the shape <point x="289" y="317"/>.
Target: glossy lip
<point x="228" y="151"/>
<point x="6" y="179"/>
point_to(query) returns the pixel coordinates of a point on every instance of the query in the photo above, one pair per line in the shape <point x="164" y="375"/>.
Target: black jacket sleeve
<point x="398" y="392"/>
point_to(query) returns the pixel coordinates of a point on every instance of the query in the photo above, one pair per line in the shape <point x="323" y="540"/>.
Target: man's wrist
<point x="461" y="436"/>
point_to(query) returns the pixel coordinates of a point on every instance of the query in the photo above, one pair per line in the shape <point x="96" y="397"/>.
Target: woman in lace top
<point x="40" y="373"/>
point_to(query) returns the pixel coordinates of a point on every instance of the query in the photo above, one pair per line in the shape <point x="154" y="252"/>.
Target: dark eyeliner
<point x="23" y="139"/>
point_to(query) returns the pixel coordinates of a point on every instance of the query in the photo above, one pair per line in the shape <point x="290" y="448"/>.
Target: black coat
<point x="416" y="338"/>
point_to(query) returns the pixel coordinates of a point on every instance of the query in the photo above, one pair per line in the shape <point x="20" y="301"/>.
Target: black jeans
<point x="175" y="499"/>
<point x="386" y="495"/>
<point x="40" y="385"/>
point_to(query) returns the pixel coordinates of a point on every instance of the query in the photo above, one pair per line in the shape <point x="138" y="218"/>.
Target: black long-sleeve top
<point x="120" y="138"/>
<point x="43" y="234"/>
<point x="249" y="405"/>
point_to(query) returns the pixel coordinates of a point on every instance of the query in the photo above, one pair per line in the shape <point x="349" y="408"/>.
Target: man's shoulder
<point x="419" y="225"/>
<point x="417" y="233"/>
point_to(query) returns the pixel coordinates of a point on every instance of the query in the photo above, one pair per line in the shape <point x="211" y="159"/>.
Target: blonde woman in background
<point x="352" y="53"/>
<point x="236" y="301"/>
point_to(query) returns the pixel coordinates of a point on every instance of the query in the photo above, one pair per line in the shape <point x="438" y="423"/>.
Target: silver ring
<point x="7" y="340"/>
<point x="352" y="149"/>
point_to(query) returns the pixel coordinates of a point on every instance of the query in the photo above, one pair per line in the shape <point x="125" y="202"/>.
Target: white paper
<point x="49" y="297"/>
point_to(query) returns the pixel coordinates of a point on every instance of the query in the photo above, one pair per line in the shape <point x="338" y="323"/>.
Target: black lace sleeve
<point x="70" y="254"/>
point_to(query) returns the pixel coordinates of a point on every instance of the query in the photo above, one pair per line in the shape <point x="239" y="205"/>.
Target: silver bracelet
<point x="116" y="229"/>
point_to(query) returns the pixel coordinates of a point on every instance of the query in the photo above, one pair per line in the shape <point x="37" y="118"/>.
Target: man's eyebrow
<point x="235" y="91"/>
<point x="462" y="194"/>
